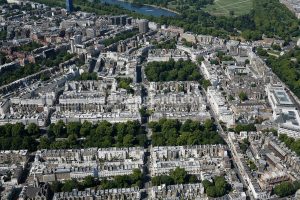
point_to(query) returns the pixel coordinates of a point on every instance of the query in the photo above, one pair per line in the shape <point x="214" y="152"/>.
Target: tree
<point x="61" y="144"/>
<point x="291" y="143"/>
<point x="192" y="179"/>
<point x="16" y="143"/>
<point x="243" y="96"/>
<point x="86" y="128"/>
<point x="44" y="143"/>
<point x="73" y="128"/>
<point x="69" y="185"/>
<point x="230" y="98"/>
<point x="106" y="141"/>
<point x="141" y="139"/>
<point x="133" y="127"/>
<point x="154" y="126"/>
<point x="8" y="130"/>
<point x="158" y="139"/>
<point x="245" y="127"/>
<point x="186" y="126"/>
<point x="276" y="47"/>
<point x="121" y="129"/>
<point x="207" y="183"/>
<point x="205" y="84"/>
<point x="89" y="182"/>
<point x="220" y="181"/>
<point x="125" y="84"/>
<point x="209" y="125"/>
<point x="171" y="71"/>
<point x="171" y="136"/>
<point x="172" y="132"/>
<point x="244" y="145"/>
<point x="144" y="112"/>
<point x="173" y="125"/>
<point x="33" y="129"/>
<point x="122" y="181"/>
<point x="218" y="188"/>
<point x="211" y="191"/>
<point x="59" y="129"/>
<point x="128" y="140"/>
<point x="200" y="59"/>
<point x="29" y="143"/>
<point x="183" y="139"/>
<point x="284" y="189"/>
<point x="5" y="143"/>
<point x="18" y="129"/>
<point x="287" y="69"/>
<point x="105" y="134"/>
<point x="104" y="128"/>
<point x="261" y="52"/>
<point x="164" y="179"/>
<point x="195" y="138"/>
<point x="137" y="177"/>
<point x="179" y="175"/>
<point x="72" y="141"/>
<point x="105" y="184"/>
<point x="56" y="186"/>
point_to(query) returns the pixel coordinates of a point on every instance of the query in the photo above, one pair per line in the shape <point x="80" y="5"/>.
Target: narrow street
<point x="147" y="160"/>
<point x="224" y="136"/>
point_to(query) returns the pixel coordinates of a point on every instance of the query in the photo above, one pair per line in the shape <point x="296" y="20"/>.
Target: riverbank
<point x="154" y="6"/>
<point x="160" y="7"/>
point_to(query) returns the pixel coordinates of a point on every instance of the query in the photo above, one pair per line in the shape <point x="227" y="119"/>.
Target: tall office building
<point x="69" y="5"/>
<point x="143" y="26"/>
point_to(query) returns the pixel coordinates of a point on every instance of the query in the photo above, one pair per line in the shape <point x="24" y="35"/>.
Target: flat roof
<point x="282" y="96"/>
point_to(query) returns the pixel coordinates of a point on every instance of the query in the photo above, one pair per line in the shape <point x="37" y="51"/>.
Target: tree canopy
<point x="287" y="68"/>
<point x="16" y="137"/>
<point x="124" y="181"/>
<point x="102" y="135"/>
<point x="12" y="74"/>
<point x="168" y="44"/>
<point x="120" y="36"/>
<point x="243" y="96"/>
<point x="245" y="127"/>
<point x="218" y="188"/>
<point x="64" y="136"/>
<point x="291" y="143"/>
<point x="172" y="132"/>
<point x="28" y="47"/>
<point x="286" y="188"/>
<point x="177" y="176"/>
<point x="172" y="71"/>
<point x="267" y="17"/>
<point x="125" y="84"/>
<point x="88" y="76"/>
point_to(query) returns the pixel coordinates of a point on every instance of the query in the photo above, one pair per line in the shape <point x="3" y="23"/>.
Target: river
<point x="142" y="9"/>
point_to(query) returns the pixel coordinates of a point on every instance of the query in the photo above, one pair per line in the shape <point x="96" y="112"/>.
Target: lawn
<point x="230" y="7"/>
